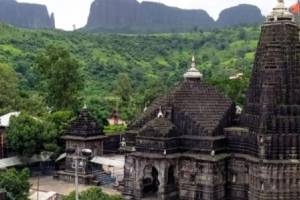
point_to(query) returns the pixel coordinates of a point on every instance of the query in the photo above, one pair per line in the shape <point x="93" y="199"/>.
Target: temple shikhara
<point x="192" y="145"/>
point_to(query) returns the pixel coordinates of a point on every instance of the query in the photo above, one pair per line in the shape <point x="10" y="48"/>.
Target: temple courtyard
<point x="48" y="184"/>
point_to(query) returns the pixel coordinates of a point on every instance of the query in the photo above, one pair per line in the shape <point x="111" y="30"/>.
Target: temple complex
<point x="191" y="145"/>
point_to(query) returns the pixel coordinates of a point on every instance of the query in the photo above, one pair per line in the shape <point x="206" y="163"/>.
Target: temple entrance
<point x="171" y="176"/>
<point x="150" y="182"/>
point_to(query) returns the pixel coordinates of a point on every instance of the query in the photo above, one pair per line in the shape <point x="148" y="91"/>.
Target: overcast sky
<point x="69" y="12"/>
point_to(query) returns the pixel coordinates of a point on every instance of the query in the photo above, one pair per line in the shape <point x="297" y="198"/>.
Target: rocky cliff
<point x="240" y="15"/>
<point x="25" y="15"/>
<point x="131" y="16"/>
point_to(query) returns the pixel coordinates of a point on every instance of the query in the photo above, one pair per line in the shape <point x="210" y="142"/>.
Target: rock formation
<point x="130" y="16"/>
<point x="240" y="15"/>
<point x="25" y="15"/>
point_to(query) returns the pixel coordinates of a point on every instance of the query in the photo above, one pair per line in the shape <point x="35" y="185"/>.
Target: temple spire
<point x="193" y="72"/>
<point x="280" y="12"/>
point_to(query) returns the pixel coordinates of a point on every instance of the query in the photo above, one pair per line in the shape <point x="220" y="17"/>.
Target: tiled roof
<point x="159" y="127"/>
<point x="199" y="102"/>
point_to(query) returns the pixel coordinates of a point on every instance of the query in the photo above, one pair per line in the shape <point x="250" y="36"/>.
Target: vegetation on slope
<point x="126" y="72"/>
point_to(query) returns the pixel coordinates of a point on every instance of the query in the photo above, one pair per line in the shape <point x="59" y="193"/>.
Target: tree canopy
<point x="94" y="193"/>
<point x="15" y="184"/>
<point x="60" y="78"/>
<point x="9" y="94"/>
<point x="121" y="71"/>
<point x="27" y="135"/>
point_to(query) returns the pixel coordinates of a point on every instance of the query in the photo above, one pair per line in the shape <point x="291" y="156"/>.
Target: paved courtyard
<point x="49" y="184"/>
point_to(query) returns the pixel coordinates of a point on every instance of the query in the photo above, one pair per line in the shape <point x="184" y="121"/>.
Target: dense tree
<point x="27" y="135"/>
<point x="8" y="89"/>
<point x="32" y="103"/>
<point x="123" y="87"/>
<point x="56" y="124"/>
<point x="15" y="184"/>
<point x="60" y="77"/>
<point x="93" y="194"/>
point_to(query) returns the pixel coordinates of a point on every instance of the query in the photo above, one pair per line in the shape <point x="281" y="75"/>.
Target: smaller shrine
<point x="115" y="119"/>
<point x="84" y="140"/>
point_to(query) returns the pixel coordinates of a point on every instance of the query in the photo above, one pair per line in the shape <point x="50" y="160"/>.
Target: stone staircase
<point x="105" y="178"/>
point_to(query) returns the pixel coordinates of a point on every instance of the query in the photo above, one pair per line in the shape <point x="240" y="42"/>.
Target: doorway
<point x="150" y="182"/>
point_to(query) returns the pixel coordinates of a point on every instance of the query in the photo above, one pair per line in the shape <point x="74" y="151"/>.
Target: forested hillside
<point x="124" y="72"/>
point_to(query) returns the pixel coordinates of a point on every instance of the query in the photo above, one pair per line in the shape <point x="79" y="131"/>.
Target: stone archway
<point x="171" y="176"/>
<point x="150" y="182"/>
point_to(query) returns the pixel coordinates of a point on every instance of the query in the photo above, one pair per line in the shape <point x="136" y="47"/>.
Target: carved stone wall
<point x="195" y="179"/>
<point x="136" y="170"/>
<point x="202" y="179"/>
<point x="274" y="180"/>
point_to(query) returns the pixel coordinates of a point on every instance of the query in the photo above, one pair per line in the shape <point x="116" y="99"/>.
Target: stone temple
<point x="191" y="144"/>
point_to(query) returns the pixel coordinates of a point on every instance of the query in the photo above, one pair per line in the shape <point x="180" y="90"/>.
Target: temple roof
<point x="201" y="104"/>
<point x="85" y="125"/>
<point x="159" y="127"/>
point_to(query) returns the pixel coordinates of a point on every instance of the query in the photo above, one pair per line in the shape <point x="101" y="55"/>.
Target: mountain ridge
<point x="26" y="15"/>
<point x="247" y="14"/>
<point x="129" y="16"/>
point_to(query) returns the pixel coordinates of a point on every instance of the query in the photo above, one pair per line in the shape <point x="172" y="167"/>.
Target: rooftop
<point x="198" y="103"/>
<point x="85" y="125"/>
<point x="159" y="127"/>
<point x="5" y="119"/>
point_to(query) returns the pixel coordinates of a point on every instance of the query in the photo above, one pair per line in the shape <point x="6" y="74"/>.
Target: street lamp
<point x="77" y="164"/>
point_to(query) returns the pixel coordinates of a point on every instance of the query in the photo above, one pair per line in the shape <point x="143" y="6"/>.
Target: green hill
<point x="153" y="63"/>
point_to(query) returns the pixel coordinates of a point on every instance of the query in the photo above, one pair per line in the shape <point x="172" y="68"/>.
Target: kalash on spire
<point x="193" y="72"/>
<point x="280" y="12"/>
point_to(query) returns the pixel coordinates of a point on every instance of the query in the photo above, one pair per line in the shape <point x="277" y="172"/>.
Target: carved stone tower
<point x="271" y="117"/>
